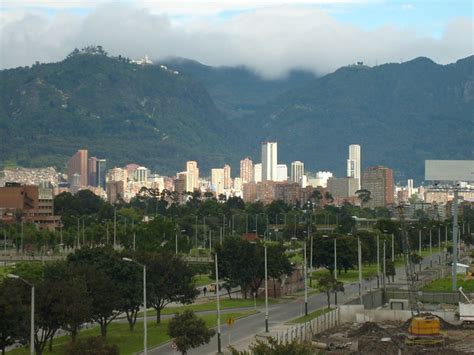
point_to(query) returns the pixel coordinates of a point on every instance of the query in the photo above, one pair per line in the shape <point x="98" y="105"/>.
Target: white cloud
<point x="271" y="40"/>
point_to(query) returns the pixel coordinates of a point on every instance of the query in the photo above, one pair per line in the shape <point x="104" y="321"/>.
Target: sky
<point x="270" y="37"/>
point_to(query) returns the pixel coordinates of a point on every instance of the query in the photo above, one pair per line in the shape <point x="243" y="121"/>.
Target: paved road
<point x="244" y="330"/>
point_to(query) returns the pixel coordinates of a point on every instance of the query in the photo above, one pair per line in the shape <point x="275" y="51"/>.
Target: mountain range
<point x="162" y="115"/>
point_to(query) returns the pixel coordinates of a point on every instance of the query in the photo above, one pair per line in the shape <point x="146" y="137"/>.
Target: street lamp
<point x="32" y="323"/>
<point x="145" y="330"/>
<point x="218" y="290"/>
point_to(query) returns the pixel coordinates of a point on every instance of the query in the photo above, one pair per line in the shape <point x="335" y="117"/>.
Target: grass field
<point x="310" y="316"/>
<point x="211" y="306"/>
<point x="445" y="285"/>
<point x="127" y="341"/>
<point x="203" y="280"/>
<point x="352" y="275"/>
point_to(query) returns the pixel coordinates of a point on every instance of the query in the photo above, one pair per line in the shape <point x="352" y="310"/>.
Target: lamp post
<point x="115" y="227"/>
<point x="393" y="248"/>
<point x="384" y="266"/>
<point x="145" y="329"/>
<point x="378" y="261"/>
<point x="219" y="350"/>
<point x="359" y="257"/>
<point x="335" y="269"/>
<point x="431" y="251"/>
<point x="32" y="320"/>
<point x="266" y="292"/>
<point x="305" y="282"/>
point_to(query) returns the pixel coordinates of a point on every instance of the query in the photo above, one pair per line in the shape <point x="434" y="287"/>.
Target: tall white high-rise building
<point x="217" y="180"/>
<point x="257" y="172"/>
<point x="410" y="188"/>
<point x="353" y="163"/>
<point x="192" y="177"/>
<point x="282" y="173"/>
<point x="297" y="171"/>
<point x="269" y="161"/>
<point x="246" y="170"/>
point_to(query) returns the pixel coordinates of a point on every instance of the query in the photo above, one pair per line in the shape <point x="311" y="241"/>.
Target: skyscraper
<point x="217" y="180"/>
<point x="297" y="171"/>
<point x="353" y="163"/>
<point x="77" y="164"/>
<point x="269" y="161"/>
<point x="192" y="176"/>
<point x="227" y="177"/>
<point x="257" y="172"/>
<point x="246" y="170"/>
<point x="410" y="187"/>
<point x="282" y="173"/>
<point x="379" y="181"/>
<point x="92" y="171"/>
<point x="101" y="171"/>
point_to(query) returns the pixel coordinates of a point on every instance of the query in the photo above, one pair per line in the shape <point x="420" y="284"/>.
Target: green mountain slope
<point x="118" y="110"/>
<point x="238" y="91"/>
<point x="401" y="114"/>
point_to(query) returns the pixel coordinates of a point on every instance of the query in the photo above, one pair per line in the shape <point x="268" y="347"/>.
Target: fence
<point x="306" y="331"/>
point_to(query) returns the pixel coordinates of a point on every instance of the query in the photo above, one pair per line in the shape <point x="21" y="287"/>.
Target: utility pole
<point x="220" y="235"/>
<point x="115" y="227"/>
<point x="378" y="261"/>
<point x="455" y="239"/>
<point x="359" y="256"/>
<point x="219" y="350"/>
<point x="305" y="282"/>
<point x="266" y="292"/>
<point x="335" y="269"/>
<point x="311" y="254"/>
<point x="431" y="251"/>
<point x="384" y="266"/>
<point x="393" y="248"/>
<point x="419" y="245"/>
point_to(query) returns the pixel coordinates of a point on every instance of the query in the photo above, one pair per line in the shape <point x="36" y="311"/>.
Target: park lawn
<point x="310" y="316"/>
<point x="368" y="271"/>
<point x="127" y="341"/>
<point x="211" y="306"/>
<point x="202" y="280"/>
<point x="445" y="285"/>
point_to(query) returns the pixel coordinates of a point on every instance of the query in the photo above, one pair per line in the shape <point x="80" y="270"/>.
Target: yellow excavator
<point x="425" y="328"/>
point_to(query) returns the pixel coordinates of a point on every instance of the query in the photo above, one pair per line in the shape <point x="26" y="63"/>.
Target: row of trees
<point x="92" y="285"/>
<point x="87" y="219"/>
<point x="95" y="285"/>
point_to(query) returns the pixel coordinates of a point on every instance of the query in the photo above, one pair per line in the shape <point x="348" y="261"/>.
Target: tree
<point x="323" y="253"/>
<point x="328" y="284"/>
<point x="100" y="267"/>
<point x="242" y="263"/>
<point x="14" y="313"/>
<point x="363" y="195"/>
<point x="169" y="280"/>
<point x="189" y="331"/>
<point x="129" y="283"/>
<point x="91" y="345"/>
<point x="73" y="306"/>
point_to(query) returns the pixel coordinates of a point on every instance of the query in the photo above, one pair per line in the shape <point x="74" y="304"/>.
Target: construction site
<point x="405" y="317"/>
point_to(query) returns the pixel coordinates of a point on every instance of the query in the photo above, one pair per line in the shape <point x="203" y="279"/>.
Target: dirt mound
<point x="443" y="324"/>
<point x="368" y="328"/>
